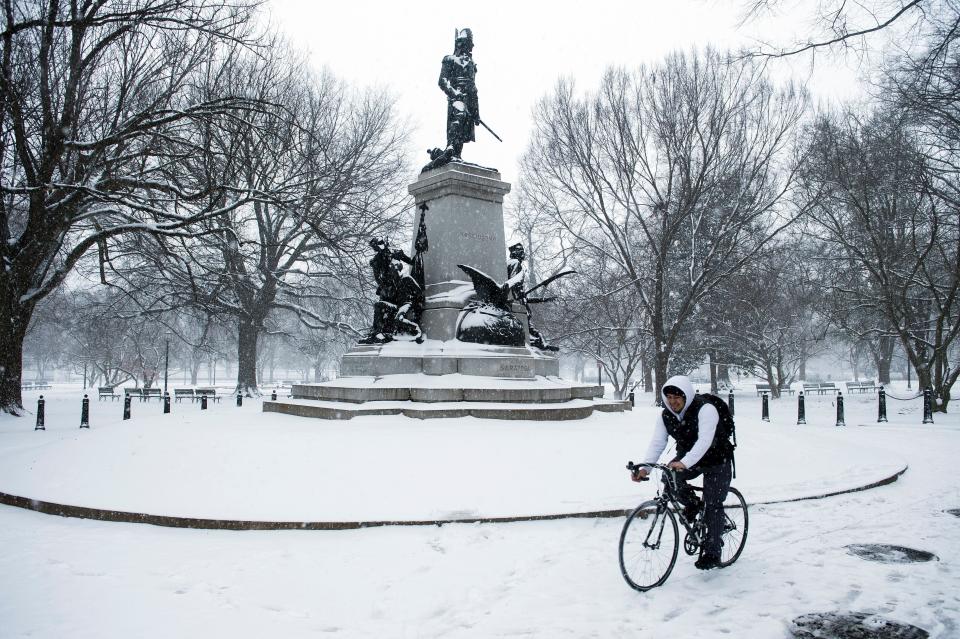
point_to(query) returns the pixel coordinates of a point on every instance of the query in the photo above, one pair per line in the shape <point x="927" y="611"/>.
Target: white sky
<point x="521" y="49"/>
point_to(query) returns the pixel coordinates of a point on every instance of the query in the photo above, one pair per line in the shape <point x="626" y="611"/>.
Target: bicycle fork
<point x="656" y="530"/>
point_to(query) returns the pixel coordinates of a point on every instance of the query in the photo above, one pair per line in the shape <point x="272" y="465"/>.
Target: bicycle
<point x="650" y="539"/>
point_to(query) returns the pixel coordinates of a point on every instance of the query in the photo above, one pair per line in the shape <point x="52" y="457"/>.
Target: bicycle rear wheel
<point x="735" y="524"/>
<point x="648" y="546"/>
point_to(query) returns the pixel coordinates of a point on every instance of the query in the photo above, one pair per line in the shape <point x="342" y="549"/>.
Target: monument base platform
<point x="437" y="358"/>
<point x="436" y="396"/>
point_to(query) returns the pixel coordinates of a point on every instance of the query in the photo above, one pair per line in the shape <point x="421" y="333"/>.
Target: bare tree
<point x="93" y="106"/>
<point x="882" y="219"/>
<point x="861" y="322"/>
<point x="327" y="162"/>
<point x="677" y="174"/>
<point x="925" y="87"/>
<point x="765" y="317"/>
<point x="602" y="321"/>
<point x="837" y="25"/>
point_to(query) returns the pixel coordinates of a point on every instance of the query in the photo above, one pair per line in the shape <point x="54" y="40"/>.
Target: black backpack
<point x="727" y="425"/>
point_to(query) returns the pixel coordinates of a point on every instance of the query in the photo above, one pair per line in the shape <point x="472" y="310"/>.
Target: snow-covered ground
<point x="66" y="577"/>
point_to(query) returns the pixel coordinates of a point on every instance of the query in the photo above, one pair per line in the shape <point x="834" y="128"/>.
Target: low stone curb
<point x="83" y="512"/>
<point x="533" y="412"/>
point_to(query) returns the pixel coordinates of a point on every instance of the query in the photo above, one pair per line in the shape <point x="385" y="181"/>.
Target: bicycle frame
<point x="667" y="497"/>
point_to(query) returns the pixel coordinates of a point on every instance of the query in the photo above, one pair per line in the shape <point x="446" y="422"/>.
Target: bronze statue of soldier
<point x="400" y="303"/>
<point x="516" y="281"/>
<point x="458" y="74"/>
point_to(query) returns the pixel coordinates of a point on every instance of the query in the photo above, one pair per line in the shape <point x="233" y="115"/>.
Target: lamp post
<point x="166" y="363"/>
<point x="599" y="364"/>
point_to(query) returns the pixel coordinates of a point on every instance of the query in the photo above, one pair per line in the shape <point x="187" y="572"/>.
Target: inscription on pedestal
<point x="515" y="368"/>
<point x="477" y="237"/>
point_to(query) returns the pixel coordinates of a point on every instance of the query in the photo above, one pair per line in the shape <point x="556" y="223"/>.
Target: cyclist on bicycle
<point x="701" y="449"/>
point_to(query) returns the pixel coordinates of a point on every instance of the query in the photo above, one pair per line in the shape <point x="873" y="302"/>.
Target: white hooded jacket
<point x="708" y="420"/>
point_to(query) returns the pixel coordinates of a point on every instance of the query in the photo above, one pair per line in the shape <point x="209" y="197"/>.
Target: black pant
<point x="716" y="483"/>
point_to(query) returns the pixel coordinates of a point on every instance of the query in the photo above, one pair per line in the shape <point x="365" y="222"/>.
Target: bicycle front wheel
<point x="735" y="523"/>
<point x="648" y="546"/>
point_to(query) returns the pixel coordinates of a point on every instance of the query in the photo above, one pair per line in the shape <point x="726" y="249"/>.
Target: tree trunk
<point x="248" y="334"/>
<point x="771" y="381"/>
<point x="647" y="377"/>
<point x="713" y="373"/>
<point x="14" y="321"/>
<point x="11" y="364"/>
<point x="660" y="371"/>
<point x="883" y="356"/>
<point x="619" y="384"/>
<point x="883" y="371"/>
<point x="723" y="374"/>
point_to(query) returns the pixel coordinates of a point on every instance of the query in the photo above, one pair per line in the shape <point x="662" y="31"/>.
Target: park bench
<point x="180" y="393"/>
<point x="861" y="387"/>
<point x="26" y="386"/>
<point x="819" y="389"/>
<point x="41" y="384"/>
<point x="210" y="393"/>
<point x="150" y="393"/>
<point x="107" y="391"/>
<point x="765" y="388"/>
<point x="132" y="391"/>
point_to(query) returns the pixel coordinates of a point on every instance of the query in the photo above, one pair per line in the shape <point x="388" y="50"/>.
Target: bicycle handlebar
<point x="633" y="468"/>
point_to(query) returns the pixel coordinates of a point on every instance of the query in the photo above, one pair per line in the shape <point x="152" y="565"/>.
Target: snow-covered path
<point x="62" y="577"/>
<point x="243" y="464"/>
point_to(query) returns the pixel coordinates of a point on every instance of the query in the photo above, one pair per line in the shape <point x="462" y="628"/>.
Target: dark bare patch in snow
<point x="890" y="554"/>
<point x="852" y="625"/>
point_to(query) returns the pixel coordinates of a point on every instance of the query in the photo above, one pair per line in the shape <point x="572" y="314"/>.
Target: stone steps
<point x="517" y="392"/>
<point x="555" y="411"/>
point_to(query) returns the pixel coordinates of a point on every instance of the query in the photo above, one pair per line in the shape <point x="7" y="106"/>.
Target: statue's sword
<point x="489" y="129"/>
<point x="467" y="111"/>
<point x="548" y="280"/>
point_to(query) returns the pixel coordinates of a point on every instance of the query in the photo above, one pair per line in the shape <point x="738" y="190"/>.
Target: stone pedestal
<point x="464" y="221"/>
<point x="434" y="357"/>
<point x="464" y="226"/>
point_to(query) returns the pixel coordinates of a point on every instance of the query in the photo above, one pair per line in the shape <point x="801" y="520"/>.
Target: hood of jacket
<point x="683" y="383"/>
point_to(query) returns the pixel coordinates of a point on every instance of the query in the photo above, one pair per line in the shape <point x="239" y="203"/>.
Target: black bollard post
<point x="85" y="413"/>
<point x="765" y="414"/>
<point x="730" y="402"/>
<point x="927" y="406"/>
<point x="883" y="406"/>
<point x="239" y="399"/>
<point x="633" y="401"/>
<point x="40" y="417"/>
<point x="126" y="407"/>
<point x="801" y="409"/>
<point x="840" y="420"/>
<point x="166" y="403"/>
<point x="203" y="402"/>
<point x="273" y="395"/>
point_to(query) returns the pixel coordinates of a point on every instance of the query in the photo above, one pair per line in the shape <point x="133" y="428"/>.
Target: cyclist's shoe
<point x="692" y="509"/>
<point x="708" y="562"/>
